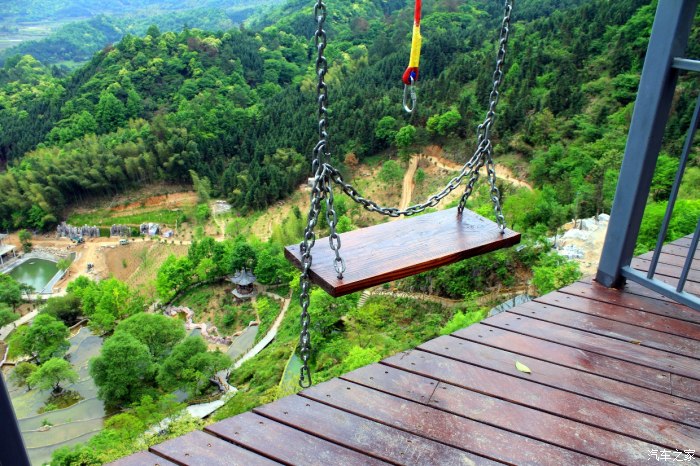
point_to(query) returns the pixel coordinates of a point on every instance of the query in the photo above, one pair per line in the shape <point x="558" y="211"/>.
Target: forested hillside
<point x="77" y="41"/>
<point x="237" y="106"/>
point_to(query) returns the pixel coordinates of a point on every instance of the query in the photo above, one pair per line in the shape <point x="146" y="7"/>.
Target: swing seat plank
<point x="394" y="250"/>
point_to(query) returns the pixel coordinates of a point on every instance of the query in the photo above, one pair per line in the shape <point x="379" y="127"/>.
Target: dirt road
<point x="408" y="184"/>
<point x="502" y="171"/>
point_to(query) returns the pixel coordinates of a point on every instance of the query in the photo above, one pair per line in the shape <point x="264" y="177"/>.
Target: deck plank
<point x="666" y="270"/>
<point x="200" y="449"/>
<point x="442" y="426"/>
<point x="622" y="314"/>
<point x="643" y="355"/>
<point x="670" y="259"/>
<point x="610" y="328"/>
<point x="676" y="250"/>
<point x="285" y="444"/>
<point x="591" y="385"/>
<point x="567" y="356"/>
<point x="626" y="298"/>
<point x="541" y="397"/>
<point x="142" y="458"/>
<point x="371" y="438"/>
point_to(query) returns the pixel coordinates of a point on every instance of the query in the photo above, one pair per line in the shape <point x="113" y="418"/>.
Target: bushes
<point x="683" y="221"/>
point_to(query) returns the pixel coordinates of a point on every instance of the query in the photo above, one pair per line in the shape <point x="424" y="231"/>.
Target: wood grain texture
<point x="613" y="375"/>
<point x="630" y="297"/>
<point x="591" y="385"/>
<point x="201" y="449"/>
<point x="394" y="250"/>
<point x="441" y="426"/>
<point x="541" y="397"/>
<point x="626" y="351"/>
<point x="574" y="358"/>
<point x="369" y="437"/>
<point x="610" y="328"/>
<point x="142" y="458"/>
<point x="622" y="314"/>
<point x="676" y="250"/>
<point x="670" y="259"/>
<point x="665" y="269"/>
<point x="286" y="444"/>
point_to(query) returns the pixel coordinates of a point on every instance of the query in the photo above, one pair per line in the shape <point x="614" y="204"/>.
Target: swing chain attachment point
<point x="409" y="90"/>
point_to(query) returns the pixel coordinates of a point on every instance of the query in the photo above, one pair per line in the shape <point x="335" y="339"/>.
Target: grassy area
<point x="234" y="318"/>
<point x="268" y="310"/>
<point x="151" y="260"/>
<point x="63" y="400"/>
<point x="382" y="327"/>
<point x="106" y="217"/>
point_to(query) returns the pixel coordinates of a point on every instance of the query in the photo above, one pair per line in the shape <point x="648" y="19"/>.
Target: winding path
<point x="502" y="171"/>
<point x="408" y="184"/>
<point x="270" y="335"/>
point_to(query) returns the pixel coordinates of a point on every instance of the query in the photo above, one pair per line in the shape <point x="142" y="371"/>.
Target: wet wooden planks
<point x="394" y="250"/>
<point x="615" y="374"/>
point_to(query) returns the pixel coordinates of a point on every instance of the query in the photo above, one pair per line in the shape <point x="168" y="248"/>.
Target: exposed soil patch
<point x="123" y="261"/>
<point x="167" y="201"/>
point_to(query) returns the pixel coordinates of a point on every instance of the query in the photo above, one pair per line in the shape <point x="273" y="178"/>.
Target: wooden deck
<point x="615" y="378"/>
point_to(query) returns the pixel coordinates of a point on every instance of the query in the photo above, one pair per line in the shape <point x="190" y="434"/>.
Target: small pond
<point x="35" y="273"/>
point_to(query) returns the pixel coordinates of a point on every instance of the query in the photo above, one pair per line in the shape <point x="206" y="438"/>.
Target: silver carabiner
<point x="409" y="89"/>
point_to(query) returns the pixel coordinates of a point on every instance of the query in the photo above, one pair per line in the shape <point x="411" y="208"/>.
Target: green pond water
<point x="35" y="273"/>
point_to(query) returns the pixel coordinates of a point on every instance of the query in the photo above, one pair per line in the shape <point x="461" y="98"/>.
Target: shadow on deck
<point x="615" y="378"/>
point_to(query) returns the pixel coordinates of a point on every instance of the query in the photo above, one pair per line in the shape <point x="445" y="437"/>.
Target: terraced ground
<point x="44" y="433"/>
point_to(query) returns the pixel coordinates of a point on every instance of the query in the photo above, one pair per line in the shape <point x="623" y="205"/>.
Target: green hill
<point x="236" y="106"/>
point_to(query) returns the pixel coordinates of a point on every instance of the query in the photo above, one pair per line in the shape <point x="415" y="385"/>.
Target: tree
<point x="174" y="275"/>
<point x="52" y="374"/>
<point x="272" y="266"/>
<point x="63" y="264"/>
<point x="386" y="129"/>
<point x="554" y="272"/>
<point x="111" y="300"/>
<point x="25" y="239"/>
<point x="20" y="375"/>
<point x="46" y="338"/>
<point x="158" y="332"/>
<point x="243" y="255"/>
<point x="10" y="291"/>
<point x="110" y="113"/>
<point x="123" y="370"/>
<point x="326" y="311"/>
<point x="443" y="124"/>
<point x="391" y="172"/>
<point x="190" y="366"/>
<point x="420" y="176"/>
<point x="67" y="308"/>
<point x="7" y="315"/>
<point x="360" y="357"/>
<point x="405" y="137"/>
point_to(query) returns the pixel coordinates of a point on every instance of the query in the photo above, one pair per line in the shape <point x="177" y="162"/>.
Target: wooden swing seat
<point x="394" y="250"/>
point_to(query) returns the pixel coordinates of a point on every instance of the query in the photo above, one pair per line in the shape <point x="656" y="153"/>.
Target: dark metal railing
<point x="663" y="63"/>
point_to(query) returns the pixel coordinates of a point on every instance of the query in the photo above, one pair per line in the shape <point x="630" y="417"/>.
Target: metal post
<point x="669" y="37"/>
<point x="12" y="450"/>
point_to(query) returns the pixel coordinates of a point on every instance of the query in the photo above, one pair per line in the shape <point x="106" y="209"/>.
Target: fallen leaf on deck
<point x="522" y="367"/>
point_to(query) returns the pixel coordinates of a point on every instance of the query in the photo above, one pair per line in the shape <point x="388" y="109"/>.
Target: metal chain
<point x="483" y="155"/>
<point x="484" y="129"/>
<point x="325" y="174"/>
<point x="317" y="192"/>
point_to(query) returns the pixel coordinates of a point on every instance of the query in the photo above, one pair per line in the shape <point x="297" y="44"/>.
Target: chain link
<point x="325" y="174"/>
<point x="484" y="129"/>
